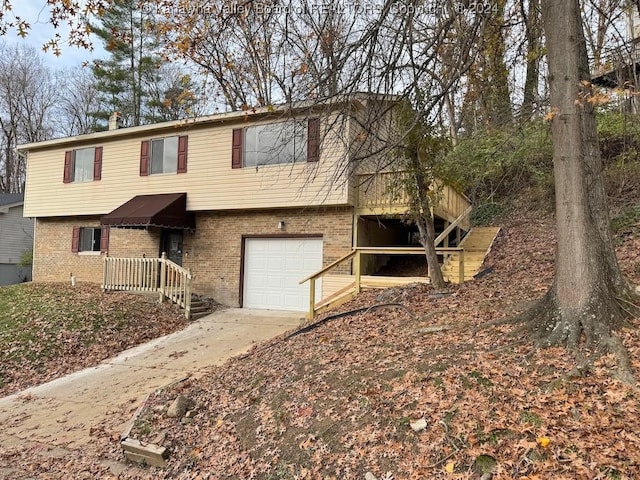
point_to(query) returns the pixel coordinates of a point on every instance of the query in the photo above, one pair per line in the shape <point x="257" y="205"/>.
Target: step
<point x="199" y="309"/>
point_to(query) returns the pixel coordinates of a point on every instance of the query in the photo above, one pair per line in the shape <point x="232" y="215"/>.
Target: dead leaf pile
<point x="339" y="401"/>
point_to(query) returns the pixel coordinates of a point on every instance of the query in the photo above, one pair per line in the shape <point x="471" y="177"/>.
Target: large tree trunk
<point x="583" y="301"/>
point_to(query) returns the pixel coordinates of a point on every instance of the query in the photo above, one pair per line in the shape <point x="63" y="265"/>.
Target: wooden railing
<point x="160" y="275"/>
<point x="357" y="284"/>
<point x="616" y="57"/>
<point x="131" y="274"/>
<point x="382" y="193"/>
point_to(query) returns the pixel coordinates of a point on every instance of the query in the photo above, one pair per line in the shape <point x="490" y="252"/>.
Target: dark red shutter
<point x="182" y="154"/>
<point x="236" y="149"/>
<point x="68" y="166"/>
<point x="104" y="238"/>
<point x="313" y="140"/>
<point x="75" y="240"/>
<point x="97" y="163"/>
<point x="144" y="158"/>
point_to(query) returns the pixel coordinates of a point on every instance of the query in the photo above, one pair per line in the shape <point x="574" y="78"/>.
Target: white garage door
<point x="274" y="266"/>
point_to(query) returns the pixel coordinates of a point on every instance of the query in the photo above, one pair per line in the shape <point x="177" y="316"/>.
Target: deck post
<point x="461" y="265"/>
<point x="312" y="297"/>
<point x="163" y="275"/>
<point x="446" y="239"/>
<point x="458" y="235"/>
<point x="357" y="267"/>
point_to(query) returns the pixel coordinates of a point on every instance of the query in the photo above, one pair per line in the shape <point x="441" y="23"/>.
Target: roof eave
<point x="235" y="116"/>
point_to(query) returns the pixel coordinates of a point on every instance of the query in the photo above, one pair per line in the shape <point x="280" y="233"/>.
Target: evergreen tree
<point x="124" y="80"/>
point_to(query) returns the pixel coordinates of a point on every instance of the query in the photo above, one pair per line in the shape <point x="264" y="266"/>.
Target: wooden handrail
<point x="453" y="225"/>
<point x="160" y="275"/>
<point x="331" y="266"/>
<point x="358" y="252"/>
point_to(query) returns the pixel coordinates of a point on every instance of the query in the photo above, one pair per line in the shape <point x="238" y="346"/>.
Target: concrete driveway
<point x="61" y="413"/>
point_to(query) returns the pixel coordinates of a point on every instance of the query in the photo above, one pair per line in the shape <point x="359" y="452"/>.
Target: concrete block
<point x="149" y="454"/>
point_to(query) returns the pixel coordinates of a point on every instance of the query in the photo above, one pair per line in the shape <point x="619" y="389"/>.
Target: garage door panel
<point x="274" y="266"/>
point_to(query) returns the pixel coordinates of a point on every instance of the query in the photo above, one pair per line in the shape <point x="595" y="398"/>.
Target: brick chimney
<point x="115" y="121"/>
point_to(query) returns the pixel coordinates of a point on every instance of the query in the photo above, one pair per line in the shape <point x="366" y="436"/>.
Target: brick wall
<point x="53" y="260"/>
<point x="213" y="252"/>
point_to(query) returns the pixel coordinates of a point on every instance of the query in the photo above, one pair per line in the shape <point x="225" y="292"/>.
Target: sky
<point x="36" y="13"/>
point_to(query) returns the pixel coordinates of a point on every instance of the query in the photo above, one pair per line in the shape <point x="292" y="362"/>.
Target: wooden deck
<point x="460" y="264"/>
<point x="378" y="194"/>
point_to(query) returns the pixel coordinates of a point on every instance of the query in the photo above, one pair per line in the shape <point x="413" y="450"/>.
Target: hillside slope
<point x="337" y="402"/>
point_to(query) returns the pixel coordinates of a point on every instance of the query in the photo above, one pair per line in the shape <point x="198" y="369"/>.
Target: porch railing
<point x="150" y="275"/>
<point x="382" y="192"/>
<point x="358" y="283"/>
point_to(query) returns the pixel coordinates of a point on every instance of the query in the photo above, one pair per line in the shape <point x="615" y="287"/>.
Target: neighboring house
<point x="619" y="68"/>
<point x="16" y="239"/>
<point x="249" y="202"/>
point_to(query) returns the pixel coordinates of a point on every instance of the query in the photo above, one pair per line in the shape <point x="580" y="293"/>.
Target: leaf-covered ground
<point x="49" y="330"/>
<point x="338" y="402"/>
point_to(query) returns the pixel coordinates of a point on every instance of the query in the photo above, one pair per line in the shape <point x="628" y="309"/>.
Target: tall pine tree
<point x="128" y="79"/>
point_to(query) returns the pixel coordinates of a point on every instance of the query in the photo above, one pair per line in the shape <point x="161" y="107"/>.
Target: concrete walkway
<point x="62" y="412"/>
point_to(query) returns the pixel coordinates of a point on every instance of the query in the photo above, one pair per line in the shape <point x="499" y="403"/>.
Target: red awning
<point x="166" y="210"/>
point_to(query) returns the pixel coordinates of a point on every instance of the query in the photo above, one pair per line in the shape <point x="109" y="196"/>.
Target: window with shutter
<point x="97" y="163"/>
<point x="89" y="239"/>
<point x="82" y="165"/>
<point x="276" y="143"/>
<point x="144" y="158"/>
<point x="68" y="167"/>
<point x="164" y="155"/>
<point x="313" y="140"/>
<point x="75" y="240"/>
<point x="104" y="238"/>
<point x="183" y="143"/>
<point x="236" y="148"/>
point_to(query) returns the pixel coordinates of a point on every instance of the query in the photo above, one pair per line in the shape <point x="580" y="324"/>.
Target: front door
<point x="171" y="244"/>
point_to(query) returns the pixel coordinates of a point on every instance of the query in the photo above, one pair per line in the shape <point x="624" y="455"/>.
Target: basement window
<point x="90" y="239"/>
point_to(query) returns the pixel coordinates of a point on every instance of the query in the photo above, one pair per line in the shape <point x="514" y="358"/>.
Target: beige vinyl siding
<point x="16" y="235"/>
<point x="210" y="182"/>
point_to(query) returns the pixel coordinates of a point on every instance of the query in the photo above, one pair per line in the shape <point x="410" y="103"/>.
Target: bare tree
<point x="27" y="97"/>
<point x="77" y="103"/>
<point x="530" y="12"/>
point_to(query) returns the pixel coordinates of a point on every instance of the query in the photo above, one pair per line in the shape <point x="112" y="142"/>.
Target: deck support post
<point x="357" y="267"/>
<point x="312" y="297"/>
<point x="446" y="239"/>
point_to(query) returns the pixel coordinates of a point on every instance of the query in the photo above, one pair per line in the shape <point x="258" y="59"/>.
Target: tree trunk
<point x="533" y="33"/>
<point x="424" y="220"/>
<point x="583" y="298"/>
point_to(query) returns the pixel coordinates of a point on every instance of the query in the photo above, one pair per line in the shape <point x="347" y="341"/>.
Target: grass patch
<point x="50" y="329"/>
<point x="626" y="222"/>
<point x="530" y="418"/>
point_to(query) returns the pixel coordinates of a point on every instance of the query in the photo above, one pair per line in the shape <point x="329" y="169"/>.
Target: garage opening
<point x="272" y="269"/>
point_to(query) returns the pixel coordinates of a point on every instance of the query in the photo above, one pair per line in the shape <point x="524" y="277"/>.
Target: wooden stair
<point x="476" y="244"/>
